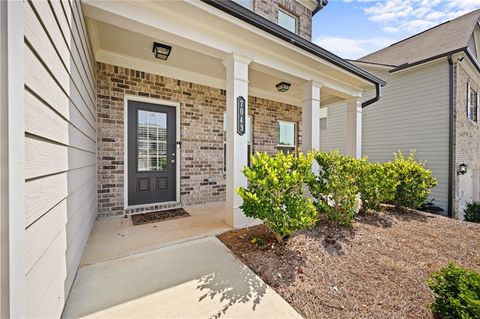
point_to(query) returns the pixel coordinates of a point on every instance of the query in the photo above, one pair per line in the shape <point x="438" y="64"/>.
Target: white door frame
<point x="130" y="97"/>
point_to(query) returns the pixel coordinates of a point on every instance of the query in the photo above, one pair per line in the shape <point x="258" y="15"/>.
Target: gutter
<point x="378" y="94"/>
<point x="438" y="56"/>
<point x="450" y="135"/>
<point x="274" y="29"/>
<point x="320" y="5"/>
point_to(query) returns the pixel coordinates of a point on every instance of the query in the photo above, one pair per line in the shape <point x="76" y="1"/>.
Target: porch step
<point x="152" y="208"/>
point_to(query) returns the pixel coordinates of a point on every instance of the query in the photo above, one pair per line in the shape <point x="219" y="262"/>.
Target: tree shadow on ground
<point x="389" y="215"/>
<point x="279" y="265"/>
<point x="232" y="287"/>
<point x="332" y="237"/>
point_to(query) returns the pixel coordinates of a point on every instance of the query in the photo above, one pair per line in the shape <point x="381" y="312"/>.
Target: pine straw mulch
<point x="377" y="269"/>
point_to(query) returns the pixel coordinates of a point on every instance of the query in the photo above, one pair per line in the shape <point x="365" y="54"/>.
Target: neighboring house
<point x="430" y="104"/>
<point x="117" y="107"/>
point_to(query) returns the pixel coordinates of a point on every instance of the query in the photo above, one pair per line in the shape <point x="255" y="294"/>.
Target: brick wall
<point x="466" y="132"/>
<point x="269" y="10"/>
<point x="265" y="115"/>
<point x="202" y="178"/>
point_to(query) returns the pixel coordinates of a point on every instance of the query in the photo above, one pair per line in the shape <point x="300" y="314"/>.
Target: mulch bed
<point x="159" y="216"/>
<point x="377" y="269"/>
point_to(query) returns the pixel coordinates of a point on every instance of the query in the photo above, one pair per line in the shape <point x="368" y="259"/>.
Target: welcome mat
<point x="159" y="216"/>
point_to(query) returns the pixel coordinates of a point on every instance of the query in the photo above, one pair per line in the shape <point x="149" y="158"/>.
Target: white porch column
<point x="311" y="116"/>
<point x="236" y="86"/>
<point x="354" y="128"/>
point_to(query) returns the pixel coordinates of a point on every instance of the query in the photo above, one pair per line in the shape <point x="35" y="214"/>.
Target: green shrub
<point x="335" y="188"/>
<point x="276" y="192"/>
<point x="472" y="212"/>
<point x="457" y="292"/>
<point x="413" y="180"/>
<point x="376" y="185"/>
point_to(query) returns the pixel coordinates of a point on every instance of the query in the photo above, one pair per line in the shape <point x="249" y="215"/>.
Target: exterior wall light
<point x="283" y="86"/>
<point x="161" y="51"/>
<point x="462" y="169"/>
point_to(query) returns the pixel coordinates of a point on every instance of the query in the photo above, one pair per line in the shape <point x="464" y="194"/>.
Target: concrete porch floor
<point x="116" y="237"/>
<point x="170" y="269"/>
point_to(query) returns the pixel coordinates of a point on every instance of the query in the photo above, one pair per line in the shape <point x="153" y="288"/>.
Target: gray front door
<point x="151" y="153"/>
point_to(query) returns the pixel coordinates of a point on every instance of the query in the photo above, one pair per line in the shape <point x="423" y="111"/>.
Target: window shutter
<point x="469" y="115"/>
<point x="478" y="106"/>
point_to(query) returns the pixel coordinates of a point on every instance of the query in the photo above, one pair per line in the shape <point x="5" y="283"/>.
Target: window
<point x="245" y="3"/>
<point x="287" y="136"/>
<point x="152" y="141"/>
<point x="472" y="104"/>
<point x="323" y="119"/>
<point x="287" y="20"/>
<point x="249" y="140"/>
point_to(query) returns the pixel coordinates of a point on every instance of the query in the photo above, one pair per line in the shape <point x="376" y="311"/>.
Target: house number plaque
<point x="240" y="115"/>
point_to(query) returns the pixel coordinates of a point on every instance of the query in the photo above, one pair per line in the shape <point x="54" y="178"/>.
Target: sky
<point x="354" y="28"/>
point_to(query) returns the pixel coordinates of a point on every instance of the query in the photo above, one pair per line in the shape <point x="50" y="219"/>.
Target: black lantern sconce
<point x="161" y="51"/>
<point x="283" y="86"/>
<point x="462" y="169"/>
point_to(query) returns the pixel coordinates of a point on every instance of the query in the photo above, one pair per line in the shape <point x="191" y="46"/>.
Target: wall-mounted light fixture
<point x="161" y="51"/>
<point x="283" y="86"/>
<point x="462" y="169"/>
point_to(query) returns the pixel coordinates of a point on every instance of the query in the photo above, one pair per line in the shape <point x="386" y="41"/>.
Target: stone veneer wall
<point x="269" y="10"/>
<point x="202" y="178"/>
<point x="466" y="132"/>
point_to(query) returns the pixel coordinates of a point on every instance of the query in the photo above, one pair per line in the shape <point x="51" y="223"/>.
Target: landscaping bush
<point x="335" y="188"/>
<point x="413" y="180"/>
<point x="472" y="212"/>
<point x="457" y="292"/>
<point x="376" y="185"/>
<point x="276" y="192"/>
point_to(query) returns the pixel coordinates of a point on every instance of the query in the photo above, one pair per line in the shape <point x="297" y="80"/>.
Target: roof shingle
<point x="446" y="37"/>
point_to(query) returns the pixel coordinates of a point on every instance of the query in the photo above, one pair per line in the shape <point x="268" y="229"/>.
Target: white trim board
<point x="126" y="99"/>
<point x="113" y="58"/>
<point x="13" y="281"/>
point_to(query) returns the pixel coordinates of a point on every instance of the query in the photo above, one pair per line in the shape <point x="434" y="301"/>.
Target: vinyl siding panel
<point x="60" y="151"/>
<point x="334" y="136"/>
<point x="411" y="115"/>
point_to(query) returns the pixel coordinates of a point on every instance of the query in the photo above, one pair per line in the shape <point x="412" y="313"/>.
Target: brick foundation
<point x="202" y="178"/>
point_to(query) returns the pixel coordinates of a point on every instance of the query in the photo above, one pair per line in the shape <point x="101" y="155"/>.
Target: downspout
<point x="450" y="135"/>
<point x="378" y="93"/>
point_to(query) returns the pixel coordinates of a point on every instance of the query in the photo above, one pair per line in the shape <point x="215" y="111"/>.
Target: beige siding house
<point x="60" y="151"/>
<point x="119" y="107"/>
<point x="431" y="78"/>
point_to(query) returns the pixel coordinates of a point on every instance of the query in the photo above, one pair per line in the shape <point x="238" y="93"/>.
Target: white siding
<point x="334" y="137"/>
<point x="60" y="151"/>
<point x="412" y="114"/>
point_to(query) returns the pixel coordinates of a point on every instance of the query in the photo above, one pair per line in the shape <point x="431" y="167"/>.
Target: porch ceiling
<point x="123" y="47"/>
<point x="197" y="26"/>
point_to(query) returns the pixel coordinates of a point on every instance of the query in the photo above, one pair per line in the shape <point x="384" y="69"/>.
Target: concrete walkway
<point x="194" y="279"/>
<point x="116" y="237"/>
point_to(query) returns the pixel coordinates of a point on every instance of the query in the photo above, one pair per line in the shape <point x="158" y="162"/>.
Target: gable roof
<point x="444" y="38"/>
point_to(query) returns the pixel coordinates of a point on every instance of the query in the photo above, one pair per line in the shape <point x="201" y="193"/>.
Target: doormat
<point x="159" y="216"/>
